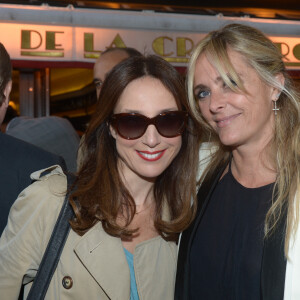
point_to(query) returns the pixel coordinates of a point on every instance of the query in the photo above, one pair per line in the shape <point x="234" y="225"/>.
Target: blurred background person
<point x="132" y="198"/>
<point x="247" y="222"/>
<point x="107" y="60"/>
<point x="54" y="134"/>
<point x="6" y="82"/>
<point x="17" y="158"/>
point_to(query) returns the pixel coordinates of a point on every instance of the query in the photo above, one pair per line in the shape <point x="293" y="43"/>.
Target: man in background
<point x="5" y="81"/>
<point x="18" y="159"/>
<point x="107" y="60"/>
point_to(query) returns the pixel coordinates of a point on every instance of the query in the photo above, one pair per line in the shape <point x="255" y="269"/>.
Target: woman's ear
<point x="112" y="131"/>
<point x="275" y="91"/>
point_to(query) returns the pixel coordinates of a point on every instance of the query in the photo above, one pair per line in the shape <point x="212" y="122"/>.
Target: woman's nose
<point x="217" y="102"/>
<point x="151" y="137"/>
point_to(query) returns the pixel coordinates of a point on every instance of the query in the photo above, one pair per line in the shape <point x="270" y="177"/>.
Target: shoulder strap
<point x="54" y="248"/>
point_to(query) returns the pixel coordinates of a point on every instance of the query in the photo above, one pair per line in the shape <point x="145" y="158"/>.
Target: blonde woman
<point x="244" y="242"/>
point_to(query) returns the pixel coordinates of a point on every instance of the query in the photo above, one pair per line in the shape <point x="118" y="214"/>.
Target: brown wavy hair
<point x="101" y="195"/>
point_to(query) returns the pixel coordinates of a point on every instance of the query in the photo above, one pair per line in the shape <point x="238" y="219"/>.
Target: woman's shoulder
<point x="48" y="189"/>
<point x="51" y="179"/>
<point x="47" y="183"/>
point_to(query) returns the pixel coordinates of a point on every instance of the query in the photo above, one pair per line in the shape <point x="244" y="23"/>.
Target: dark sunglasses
<point x="132" y="126"/>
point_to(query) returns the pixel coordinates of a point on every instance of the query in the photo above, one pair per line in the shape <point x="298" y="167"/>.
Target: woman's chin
<point x="229" y="141"/>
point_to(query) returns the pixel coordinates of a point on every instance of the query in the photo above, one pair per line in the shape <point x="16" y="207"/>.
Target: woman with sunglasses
<point x="132" y="195"/>
<point x="245" y="240"/>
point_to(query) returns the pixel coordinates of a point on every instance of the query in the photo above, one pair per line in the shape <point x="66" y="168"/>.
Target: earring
<point x="278" y="95"/>
<point x="275" y="109"/>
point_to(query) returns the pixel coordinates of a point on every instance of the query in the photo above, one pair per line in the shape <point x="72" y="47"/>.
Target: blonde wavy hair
<point x="265" y="58"/>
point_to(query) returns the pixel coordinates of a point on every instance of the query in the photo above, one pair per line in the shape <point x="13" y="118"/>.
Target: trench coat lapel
<point x="183" y="265"/>
<point x="103" y="256"/>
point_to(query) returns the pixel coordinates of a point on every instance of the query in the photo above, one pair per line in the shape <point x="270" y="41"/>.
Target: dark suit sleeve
<point x="18" y="160"/>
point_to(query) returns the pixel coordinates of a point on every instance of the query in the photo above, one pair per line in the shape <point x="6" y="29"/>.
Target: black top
<point x="226" y="254"/>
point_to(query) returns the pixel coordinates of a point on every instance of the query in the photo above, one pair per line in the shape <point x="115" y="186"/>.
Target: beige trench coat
<point x="91" y="267"/>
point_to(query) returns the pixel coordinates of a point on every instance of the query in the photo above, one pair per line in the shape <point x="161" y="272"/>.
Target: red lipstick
<point x="151" y="156"/>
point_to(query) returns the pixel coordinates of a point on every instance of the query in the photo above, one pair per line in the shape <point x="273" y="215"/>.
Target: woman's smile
<point x="151" y="156"/>
<point x="223" y="122"/>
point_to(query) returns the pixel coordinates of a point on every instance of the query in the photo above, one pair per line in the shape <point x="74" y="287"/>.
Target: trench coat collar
<point x="104" y="258"/>
<point x="273" y="261"/>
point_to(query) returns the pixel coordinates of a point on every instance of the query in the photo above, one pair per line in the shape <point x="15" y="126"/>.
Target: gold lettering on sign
<point x="296" y="51"/>
<point x="50" y="44"/>
<point x="176" y="59"/>
<point x="181" y="46"/>
<point x="158" y="46"/>
<point x="117" y="42"/>
<point x="26" y="39"/>
<point x="91" y="55"/>
<point x="50" y="40"/>
<point x="89" y="45"/>
<point x="42" y="53"/>
<point x="284" y="49"/>
<point x="89" y="42"/>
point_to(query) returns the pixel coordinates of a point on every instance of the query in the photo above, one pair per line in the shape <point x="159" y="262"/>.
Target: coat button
<point x="67" y="282"/>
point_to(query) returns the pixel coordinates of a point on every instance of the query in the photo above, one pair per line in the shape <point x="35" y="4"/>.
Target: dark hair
<point x="10" y="114"/>
<point x="5" y="71"/>
<point x="101" y="195"/>
<point x="130" y="51"/>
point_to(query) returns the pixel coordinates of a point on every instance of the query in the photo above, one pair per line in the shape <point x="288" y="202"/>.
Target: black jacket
<point x="18" y="160"/>
<point x="273" y="263"/>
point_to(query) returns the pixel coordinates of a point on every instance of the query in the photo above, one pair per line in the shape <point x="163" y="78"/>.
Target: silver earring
<point x="278" y="95"/>
<point x="275" y="109"/>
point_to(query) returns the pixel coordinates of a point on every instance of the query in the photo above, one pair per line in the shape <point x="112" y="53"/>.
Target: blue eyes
<point x="203" y="94"/>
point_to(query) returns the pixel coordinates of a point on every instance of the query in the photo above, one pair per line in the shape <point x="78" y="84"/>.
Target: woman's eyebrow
<point x="199" y="87"/>
<point x="202" y="86"/>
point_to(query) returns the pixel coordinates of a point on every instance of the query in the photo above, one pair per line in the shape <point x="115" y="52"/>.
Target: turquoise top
<point x="133" y="289"/>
